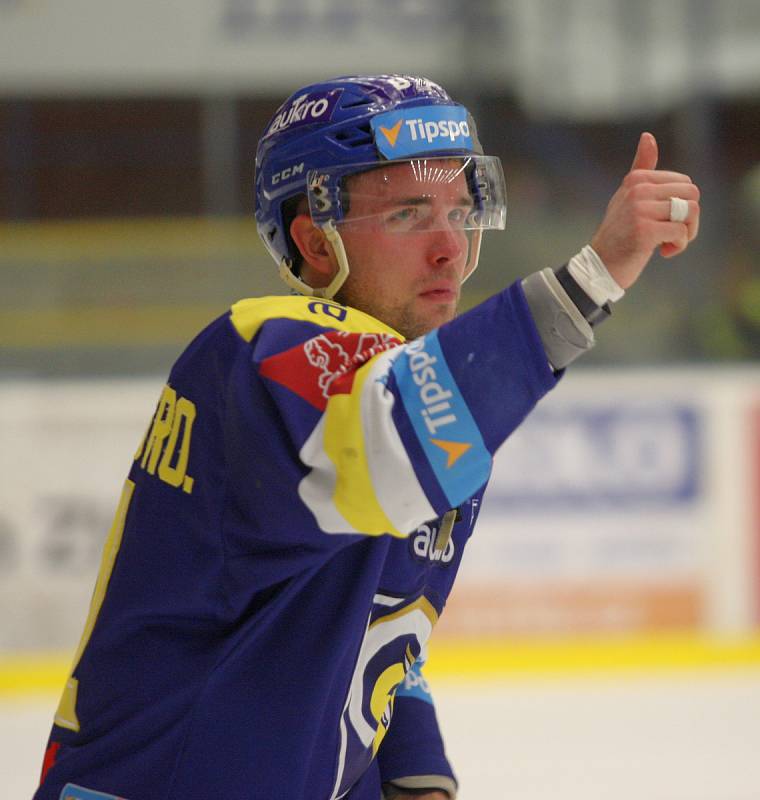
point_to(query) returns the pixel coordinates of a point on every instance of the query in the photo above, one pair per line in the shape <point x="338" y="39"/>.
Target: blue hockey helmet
<point x="327" y="131"/>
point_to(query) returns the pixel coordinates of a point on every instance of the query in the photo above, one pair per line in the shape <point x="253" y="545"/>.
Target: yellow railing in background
<point x="103" y="241"/>
<point x="591" y="656"/>
<point x="519" y="659"/>
<point x="134" y="283"/>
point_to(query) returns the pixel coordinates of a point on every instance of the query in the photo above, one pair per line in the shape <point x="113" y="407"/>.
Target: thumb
<point x="646" y="153"/>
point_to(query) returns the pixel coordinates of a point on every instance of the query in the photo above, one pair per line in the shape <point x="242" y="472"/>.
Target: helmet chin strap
<point x="472" y="261"/>
<point x="336" y="242"/>
<point x="329" y="291"/>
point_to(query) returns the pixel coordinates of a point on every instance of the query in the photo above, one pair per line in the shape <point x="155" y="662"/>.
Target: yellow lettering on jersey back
<point x="162" y="427"/>
<point x="168" y="435"/>
<point x="184" y="412"/>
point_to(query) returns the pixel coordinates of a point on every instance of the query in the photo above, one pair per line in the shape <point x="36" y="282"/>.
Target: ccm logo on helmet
<point x="288" y="172"/>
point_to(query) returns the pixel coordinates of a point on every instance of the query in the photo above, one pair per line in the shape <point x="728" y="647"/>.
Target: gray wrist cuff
<point x="432" y="783"/>
<point x="564" y="331"/>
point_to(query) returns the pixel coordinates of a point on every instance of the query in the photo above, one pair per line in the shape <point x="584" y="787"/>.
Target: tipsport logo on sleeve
<point x="441" y="419"/>
<point x="415" y="131"/>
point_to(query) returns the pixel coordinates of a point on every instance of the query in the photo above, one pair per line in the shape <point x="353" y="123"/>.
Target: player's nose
<point x="446" y="245"/>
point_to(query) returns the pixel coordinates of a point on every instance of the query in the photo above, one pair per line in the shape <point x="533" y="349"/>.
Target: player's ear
<point x="313" y="246"/>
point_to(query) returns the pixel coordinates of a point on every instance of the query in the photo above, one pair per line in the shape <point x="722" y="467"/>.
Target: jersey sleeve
<point x="390" y="434"/>
<point x="412" y="755"/>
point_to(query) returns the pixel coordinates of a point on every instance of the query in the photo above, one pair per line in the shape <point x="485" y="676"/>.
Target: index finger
<point x="657" y="176"/>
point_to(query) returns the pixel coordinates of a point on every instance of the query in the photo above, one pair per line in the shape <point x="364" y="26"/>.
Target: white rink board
<point x="66" y="449"/>
<point x="679" y="737"/>
<point x="626" y="501"/>
<point x="622" y="476"/>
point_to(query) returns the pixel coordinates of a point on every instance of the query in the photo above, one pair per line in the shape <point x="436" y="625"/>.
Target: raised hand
<point x="637" y="219"/>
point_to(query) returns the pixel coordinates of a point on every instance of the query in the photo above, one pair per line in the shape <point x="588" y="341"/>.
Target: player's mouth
<point x="443" y="293"/>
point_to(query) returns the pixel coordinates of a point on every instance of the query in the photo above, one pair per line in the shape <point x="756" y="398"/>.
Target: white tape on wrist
<point x="592" y="276"/>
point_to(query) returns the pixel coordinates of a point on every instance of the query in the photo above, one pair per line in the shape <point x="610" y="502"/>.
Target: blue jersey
<point x="277" y="561"/>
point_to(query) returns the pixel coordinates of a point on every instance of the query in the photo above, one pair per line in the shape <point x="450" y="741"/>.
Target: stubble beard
<point x="405" y="319"/>
<point x="412" y="318"/>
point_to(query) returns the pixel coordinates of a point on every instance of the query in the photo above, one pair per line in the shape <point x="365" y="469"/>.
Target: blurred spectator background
<point x="127" y="137"/>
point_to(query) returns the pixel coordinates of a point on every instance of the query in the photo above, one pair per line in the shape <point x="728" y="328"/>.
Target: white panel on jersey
<point x="396" y="486"/>
<point x="416" y="622"/>
<point x="317" y="489"/>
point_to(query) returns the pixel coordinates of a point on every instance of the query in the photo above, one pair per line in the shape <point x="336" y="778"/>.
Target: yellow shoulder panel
<point x="249" y="315"/>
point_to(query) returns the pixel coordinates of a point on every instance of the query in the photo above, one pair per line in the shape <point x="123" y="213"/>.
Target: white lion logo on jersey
<point x="335" y="353"/>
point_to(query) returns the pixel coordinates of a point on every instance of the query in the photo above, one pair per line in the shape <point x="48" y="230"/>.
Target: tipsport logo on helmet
<point x="304" y="110"/>
<point x="415" y="131"/>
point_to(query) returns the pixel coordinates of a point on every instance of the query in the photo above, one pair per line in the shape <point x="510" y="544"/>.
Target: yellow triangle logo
<point x="454" y="450"/>
<point x="391" y="134"/>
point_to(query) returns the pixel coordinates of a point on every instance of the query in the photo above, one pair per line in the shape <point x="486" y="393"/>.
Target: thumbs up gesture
<point x="638" y="217"/>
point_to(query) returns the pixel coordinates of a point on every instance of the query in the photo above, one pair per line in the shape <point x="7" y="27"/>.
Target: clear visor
<point x="464" y="193"/>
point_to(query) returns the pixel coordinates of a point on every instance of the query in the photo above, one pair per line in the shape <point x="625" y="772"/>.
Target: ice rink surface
<point x="666" y="736"/>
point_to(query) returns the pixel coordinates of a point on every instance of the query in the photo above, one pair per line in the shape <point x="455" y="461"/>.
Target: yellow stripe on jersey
<point x="66" y="714"/>
<point x="354" y="496"/>
<point x="249" y="315"/>
<point x="421" y="603"/>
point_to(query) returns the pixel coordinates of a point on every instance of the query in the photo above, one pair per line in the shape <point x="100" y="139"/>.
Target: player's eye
<point x="403" y="216"/>
<point x="461" y="217"/>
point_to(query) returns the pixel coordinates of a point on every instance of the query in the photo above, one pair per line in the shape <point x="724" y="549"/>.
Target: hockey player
<point x="261" y="614"/>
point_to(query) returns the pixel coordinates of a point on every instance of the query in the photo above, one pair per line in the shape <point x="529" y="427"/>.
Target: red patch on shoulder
<point x="325" y="365"/>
